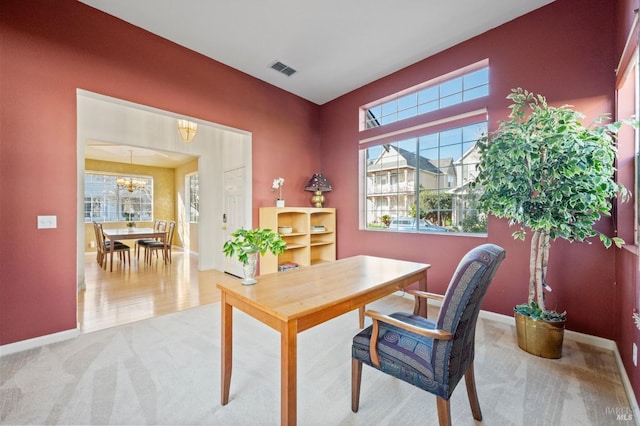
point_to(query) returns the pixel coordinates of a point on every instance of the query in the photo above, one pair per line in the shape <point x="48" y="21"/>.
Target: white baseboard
<point x="36" y="342"/>
<point x="627" y="387"/>
<point x="598" y="342"/>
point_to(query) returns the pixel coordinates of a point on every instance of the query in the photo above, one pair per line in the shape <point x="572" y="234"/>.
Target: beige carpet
<point x="166" y="370"/>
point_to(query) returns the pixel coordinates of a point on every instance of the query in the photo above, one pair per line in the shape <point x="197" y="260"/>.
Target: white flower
<point x="277" y="183"/>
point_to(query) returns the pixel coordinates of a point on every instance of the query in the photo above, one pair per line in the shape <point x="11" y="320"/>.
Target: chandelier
<point x="130" y="183"/>
<point x="187" y="130"/>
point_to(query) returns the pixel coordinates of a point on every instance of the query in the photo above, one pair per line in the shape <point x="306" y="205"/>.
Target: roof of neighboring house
<point x="417" y="161"/>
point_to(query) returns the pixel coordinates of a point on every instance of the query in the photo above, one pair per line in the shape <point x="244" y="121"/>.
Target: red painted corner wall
<point x="50" y="49"/>
<point x="565" y="51"/>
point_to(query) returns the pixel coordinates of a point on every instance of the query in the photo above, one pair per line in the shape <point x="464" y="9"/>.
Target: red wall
<point x="48" y="50"/>
<point x="564" y="51"/>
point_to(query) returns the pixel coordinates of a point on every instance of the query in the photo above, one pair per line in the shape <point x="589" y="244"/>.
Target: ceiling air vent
<point x="284" y="69"/>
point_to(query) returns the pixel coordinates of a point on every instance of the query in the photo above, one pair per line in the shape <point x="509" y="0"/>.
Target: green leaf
<point x="619" y="242"/>
<point x="545" y="171"/>
<point x="244" y="241"/>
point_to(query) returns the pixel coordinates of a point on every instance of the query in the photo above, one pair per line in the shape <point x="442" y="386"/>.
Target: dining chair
<point x="104" y="248"/>
<point x="102" y="243"/>
<point x="158" y="226"/>
<point x="99" y="246"/>
<point x="431" y="355"/>
<point x="153" y="246"/>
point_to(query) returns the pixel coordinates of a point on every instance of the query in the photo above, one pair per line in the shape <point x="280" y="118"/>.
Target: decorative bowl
<point x="285" y="229"/>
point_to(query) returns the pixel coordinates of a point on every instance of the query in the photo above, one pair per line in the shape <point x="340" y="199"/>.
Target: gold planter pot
<point x="541" y="338"/>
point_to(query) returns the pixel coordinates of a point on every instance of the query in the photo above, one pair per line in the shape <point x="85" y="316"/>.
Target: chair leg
<point x="470" y="381"/>
<point x="356" y="379"/>
<point x="444" y="412"/>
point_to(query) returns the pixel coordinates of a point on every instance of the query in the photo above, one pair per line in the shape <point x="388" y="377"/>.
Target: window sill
<point x="633" y="248"/>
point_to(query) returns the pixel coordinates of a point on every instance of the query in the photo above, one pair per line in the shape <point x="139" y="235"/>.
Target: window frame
<point x="189" y="197"/>
<point x="433" y="122"/>
<point x="405" y="191"/>
<point x="369" y="119"/>
<point x="113" y="201"/>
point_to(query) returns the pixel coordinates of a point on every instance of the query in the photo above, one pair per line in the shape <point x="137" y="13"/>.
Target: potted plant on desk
<point x="247" y="243"/>
<point x="548" y="173"/>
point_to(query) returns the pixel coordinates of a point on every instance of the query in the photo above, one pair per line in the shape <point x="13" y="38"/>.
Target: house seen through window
<point x="419" y="181"/>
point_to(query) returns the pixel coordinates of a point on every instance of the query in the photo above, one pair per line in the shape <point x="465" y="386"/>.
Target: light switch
<point x="47" y="222"/>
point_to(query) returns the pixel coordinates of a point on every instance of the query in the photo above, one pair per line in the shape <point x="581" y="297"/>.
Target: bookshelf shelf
<point x="312" y="240"/>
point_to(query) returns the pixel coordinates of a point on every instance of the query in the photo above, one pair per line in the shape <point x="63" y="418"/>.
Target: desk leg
<point x="227" y="348"/>
<point x="422" y="286"/>
<point x="288" y="372"/>
<point x="361" y="316"/>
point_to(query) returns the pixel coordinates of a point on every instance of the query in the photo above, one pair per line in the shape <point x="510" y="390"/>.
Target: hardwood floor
<point x="143" y="291"/>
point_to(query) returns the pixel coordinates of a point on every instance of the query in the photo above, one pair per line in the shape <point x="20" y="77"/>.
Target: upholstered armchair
<point x="431" y="355"/>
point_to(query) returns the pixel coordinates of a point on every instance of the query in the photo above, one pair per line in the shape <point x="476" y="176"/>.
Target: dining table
<point x="293" y="301"/>
<point x="133" y="233"/>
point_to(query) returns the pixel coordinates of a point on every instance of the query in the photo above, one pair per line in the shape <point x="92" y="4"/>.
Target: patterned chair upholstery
<point x="431" y="355"/>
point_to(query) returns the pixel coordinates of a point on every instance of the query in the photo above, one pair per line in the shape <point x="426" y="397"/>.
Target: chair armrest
<point x="426" y="332"/>
<point x="423" y="297"/>
<point x="425" y="294"/>
<point x="377" y="317"/>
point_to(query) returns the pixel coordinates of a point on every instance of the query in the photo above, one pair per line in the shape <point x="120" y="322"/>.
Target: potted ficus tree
<point x="246" y="244"/>
<point x="549" y="174"/>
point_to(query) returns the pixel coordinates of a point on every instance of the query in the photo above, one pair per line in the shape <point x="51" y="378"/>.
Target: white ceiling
<point x="105" y="151"/>
<point x="335" y="46"/>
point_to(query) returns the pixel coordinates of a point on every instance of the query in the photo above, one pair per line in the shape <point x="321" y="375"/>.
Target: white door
<point x="234" y="213"/>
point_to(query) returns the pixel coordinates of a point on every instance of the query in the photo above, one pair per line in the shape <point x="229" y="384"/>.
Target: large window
<point x="417" y="179"/>
<point x="628" y="106"/>
<point x="105" y="201"/>
<point x="193" y="198"/>
<point x="633" y="83"/>
<point x="469" y="86"/>
<point x="422" y="183"/>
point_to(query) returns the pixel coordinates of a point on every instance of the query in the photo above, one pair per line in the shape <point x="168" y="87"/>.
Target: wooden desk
<point x="133" y="234"/>
<point x="296" y="300"/>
